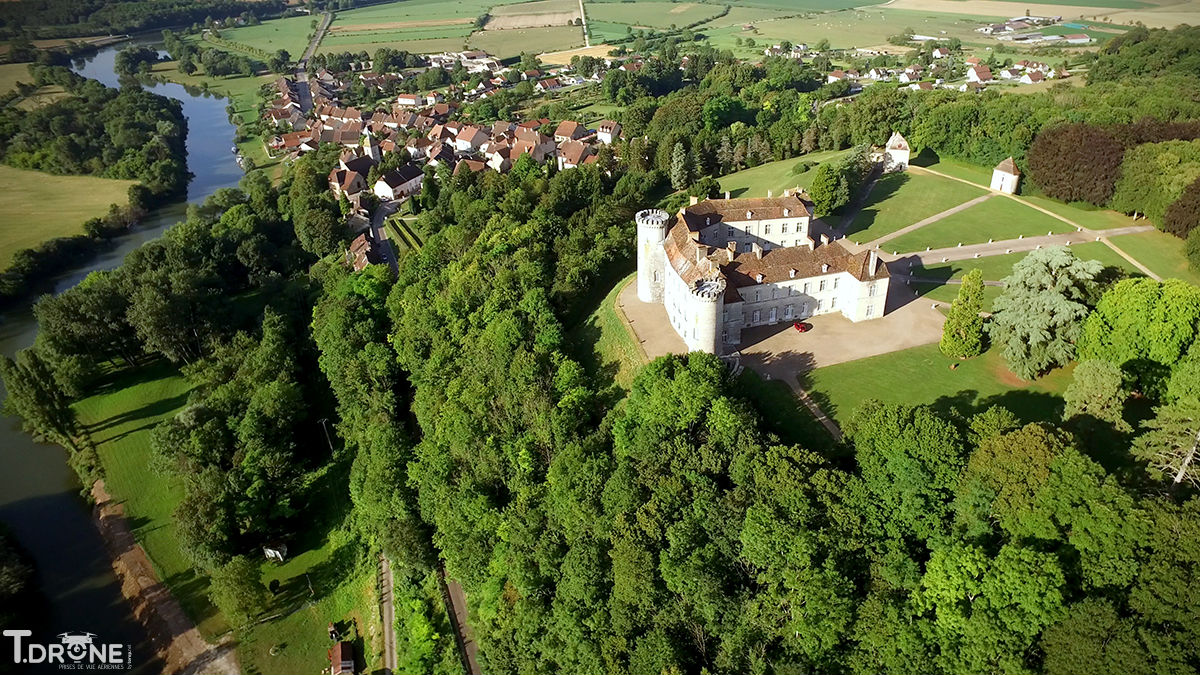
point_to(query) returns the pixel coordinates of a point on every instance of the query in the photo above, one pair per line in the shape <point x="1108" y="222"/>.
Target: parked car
<point x="802" y="327"/>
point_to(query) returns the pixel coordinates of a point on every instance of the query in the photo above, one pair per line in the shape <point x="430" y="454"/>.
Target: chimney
<point x="758" y="251"/>
<point x="727" y="194"/>
<point x="731" y="250"/>
<point x="824" y="239"/>
<point x="769" y="194"/>
<point x="693" y="200"/>
<point x="872" y="261"/>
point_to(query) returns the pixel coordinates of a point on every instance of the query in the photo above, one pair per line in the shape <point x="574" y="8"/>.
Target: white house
<point x="941" y="53"/>
<point x="401" y="182"/>
<point x="1006" y="176"/>
<point x="980" y="74"/>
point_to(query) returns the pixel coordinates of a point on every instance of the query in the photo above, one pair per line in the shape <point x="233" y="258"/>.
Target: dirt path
<point x="175" y="637"/>
<point x="387" y="613"/>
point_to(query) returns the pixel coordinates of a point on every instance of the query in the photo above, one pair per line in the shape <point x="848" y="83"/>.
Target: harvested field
<point x="538" y="7"/>
<point x="1117" y="11"/>
<point x="394" y="25"/>
<point x="531" y="20"/>
<point x="564" y="57"/>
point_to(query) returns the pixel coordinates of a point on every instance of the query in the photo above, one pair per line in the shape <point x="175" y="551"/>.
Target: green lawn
<point x="1161" y="252"/>
<point x="775" y="176"/>
<point x="607" y="348"/>
<point x="414" y="10"/>
<point x="901" y="199"/>
<point x="921" y="375"/>
<point x="1091" y="217"/>
<point x="38" y="206"/>
<point x="996" y="267"/>
<point x="290" y="33"/>
<point x="119" y="420"/>
<point x="980" y="175"/>
<point x="998" y="218"/>
<point x="948" y="292"/>
<point x="11" y="73"/>
<point x="371" y="40"/>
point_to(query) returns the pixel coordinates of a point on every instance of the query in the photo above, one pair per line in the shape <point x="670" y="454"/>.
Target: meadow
<point x="39" y="206"/>
<point x="507" y="43"/>
<point x="1162" y="253"/>
<point x="776" y="176"/>
<point x="291" y="33"/>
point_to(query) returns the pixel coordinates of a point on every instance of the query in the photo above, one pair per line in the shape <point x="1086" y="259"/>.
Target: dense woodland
<point x="72" y="18"/>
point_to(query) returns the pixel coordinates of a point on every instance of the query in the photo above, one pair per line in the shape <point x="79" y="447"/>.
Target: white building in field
<point x="722" y="265"/>
<point x="1006" y="176"/>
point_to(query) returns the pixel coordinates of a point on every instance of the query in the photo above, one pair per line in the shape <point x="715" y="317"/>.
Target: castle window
<point x="756" y="316"/>
<point x="821" y="286"/>
<point x="820" y="304"/>
<point x="807" y="287"/>
<point x="871" y="289"/>
<point x="767" y="228"/>
<point x="833" y="302"/>
<point x="725" y="336"/>
<point x="774" y="315"/>
<point x="870" y="311"/>
<point x="785" y="228"/>
<point x="835" y="280"/>
<point x="757" y="297"/>
<point x="787" y="312"/>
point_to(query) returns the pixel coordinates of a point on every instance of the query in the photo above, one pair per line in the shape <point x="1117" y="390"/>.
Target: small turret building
<point x="722" y="265"/>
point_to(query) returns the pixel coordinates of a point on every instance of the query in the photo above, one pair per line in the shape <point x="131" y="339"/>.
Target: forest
<point x="69" y="18"/>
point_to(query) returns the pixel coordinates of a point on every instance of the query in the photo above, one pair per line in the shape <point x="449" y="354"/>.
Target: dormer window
<point x="791" y="274"/>
<point x="749" y="215"/>
<point x="824" y="267"/>
<point x="758" y="277"/>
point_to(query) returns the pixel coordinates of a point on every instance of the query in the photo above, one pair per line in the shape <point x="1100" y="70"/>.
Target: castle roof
<point x="698" y="216"/>
<point x="1008" y="166"/>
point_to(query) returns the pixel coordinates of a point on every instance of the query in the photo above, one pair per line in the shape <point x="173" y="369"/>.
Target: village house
<point x="572" y="154"/>
<point x="400" y="182"/>
<point x="548" y="84"/>
<point x="720" y="266"/>
<point x="1032" y="77"/>
<point x="981" y="74"/>
<point x="346" y="182"/>
<point x="941" y="53"/>
<point x="360" y="254"/>
<point x="569" y="130"/>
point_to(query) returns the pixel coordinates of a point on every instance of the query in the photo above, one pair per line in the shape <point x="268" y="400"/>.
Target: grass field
<point x="651" y="14"/>
<point x="806" y="5"/>
<point x="290" y="34"/>
<point x="607" y="349"/>
<point x="901" y="199"/>
<point x="782" y="413"/>
<point x="1161" y="252"/>
<point x="415" y="39"/>
<point x="775" y="176"/>
<point x="11" y="73"/>
<point x="1084" y="214"/>
<point x="39" y="206"/>
<point x="119" y="420"/>
<point x="998" y="218"/>
<point x="921" y="375"/>
<point x="996" y="267"/>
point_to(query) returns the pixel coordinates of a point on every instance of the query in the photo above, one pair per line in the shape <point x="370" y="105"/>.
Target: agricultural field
<point x="291" y="34"/>
<point x="651" y="14"/>
<point x="506" y="43"/>
<point x="776" y="176"/>
<point x="25" y="194"/>
<point x="997" y="218"/>
<point x="858" y="28"/>
<point x="11" y="74"/>
<point x="533" y="14"/>
<point x="806" y="5"/>
<point x="902" y="199"/>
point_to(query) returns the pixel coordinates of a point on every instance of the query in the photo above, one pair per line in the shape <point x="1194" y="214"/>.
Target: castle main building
<point x="721" y="265"/>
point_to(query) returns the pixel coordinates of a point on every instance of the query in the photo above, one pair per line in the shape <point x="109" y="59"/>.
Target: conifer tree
<point x="962" y="334"/>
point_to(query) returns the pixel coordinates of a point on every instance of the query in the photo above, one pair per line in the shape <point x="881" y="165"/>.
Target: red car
<point x="802" y="327"/>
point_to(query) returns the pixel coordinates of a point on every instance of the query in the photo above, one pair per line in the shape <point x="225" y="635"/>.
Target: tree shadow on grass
<point x="885" y="187"/>
<point x="1028" y="406"/>
<point x="153" y="409"/>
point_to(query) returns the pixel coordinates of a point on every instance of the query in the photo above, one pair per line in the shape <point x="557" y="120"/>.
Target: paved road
<point x="326" y="19"/>
<point x="379" y="236"/>
<point x="387" y="613"/>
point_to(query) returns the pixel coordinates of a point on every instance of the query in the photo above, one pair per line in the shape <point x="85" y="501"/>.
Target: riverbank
<point x="177" y="640"/>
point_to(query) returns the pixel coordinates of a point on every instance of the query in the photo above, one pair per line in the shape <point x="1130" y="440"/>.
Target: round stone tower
<point x="651" y="230"/>
<point x="708" y="301"/>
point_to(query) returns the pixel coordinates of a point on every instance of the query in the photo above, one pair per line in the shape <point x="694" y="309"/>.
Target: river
<point x="39" y="493"/>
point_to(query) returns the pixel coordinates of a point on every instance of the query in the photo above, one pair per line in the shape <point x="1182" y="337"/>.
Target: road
<point x="587" y="41"/>
<point x="387" y="612"/>
<point x="326" y="19"/>
<point x="379" y="236"/>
